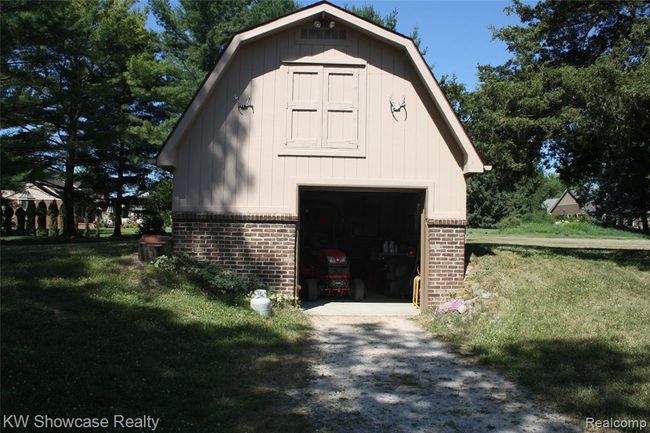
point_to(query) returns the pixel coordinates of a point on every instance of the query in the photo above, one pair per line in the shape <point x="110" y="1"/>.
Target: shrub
<point x="509" y="221"/>
<point x="152" y="224"/>
<point x="53" y="212"/>
<point x="31" y="218"/>
<point x="206" y="274"/>
<point x="538" y="217"/>
<point x="63" y="216"/>
<point x="281" y="300"/>
<point x="20" y="221"/>
<point x="157" y="208"/>
<point x="131" y="225"/>
<point x="7" y="215"/>
<point x="41" y="213"/>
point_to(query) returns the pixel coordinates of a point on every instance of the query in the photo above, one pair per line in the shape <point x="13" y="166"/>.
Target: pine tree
<point x="53" y="212"/>
<point x="41" y="218"/>
<point x="53" y="82"/>
<point x="31" y="218"/>
<point x="68" y="103"/>
<point x="7" y="215"/>
<point x="20" y="221"/>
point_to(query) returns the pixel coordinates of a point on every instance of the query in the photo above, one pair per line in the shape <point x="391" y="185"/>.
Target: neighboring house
<point x="566" y="205"/>
<point x="548" y="204"/>
<point x="35" y="194"/>
<point x="322" y="129"/>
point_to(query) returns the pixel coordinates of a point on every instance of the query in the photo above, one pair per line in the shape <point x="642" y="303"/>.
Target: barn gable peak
<point x="471" y="161"/>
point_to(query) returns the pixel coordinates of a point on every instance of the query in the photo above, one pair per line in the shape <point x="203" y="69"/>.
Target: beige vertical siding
<point x="233" y="161"/>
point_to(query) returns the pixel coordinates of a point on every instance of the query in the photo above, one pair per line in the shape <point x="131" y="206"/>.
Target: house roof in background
<point x="549" y="203"/>
<point x="31" y="192"/>
<point x="559" y="200"/>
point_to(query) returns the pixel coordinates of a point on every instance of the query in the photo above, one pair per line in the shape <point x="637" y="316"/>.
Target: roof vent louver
<point x="322" y="35"/>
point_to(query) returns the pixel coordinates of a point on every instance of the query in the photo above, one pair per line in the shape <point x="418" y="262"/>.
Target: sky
<point x="456" y="33"/>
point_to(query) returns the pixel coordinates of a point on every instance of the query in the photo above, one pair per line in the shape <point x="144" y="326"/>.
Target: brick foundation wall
<point x="446" y="257"/>
<point x="262" y="246"/>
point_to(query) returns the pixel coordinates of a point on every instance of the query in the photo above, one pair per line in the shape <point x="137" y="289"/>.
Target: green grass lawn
<point x="577" y="229"/>
<point x="571" y="325"/>
<point x="88" y="331"/>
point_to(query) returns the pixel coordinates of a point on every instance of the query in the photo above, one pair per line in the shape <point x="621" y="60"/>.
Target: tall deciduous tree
<point x="506" y="139"/>
<point x="574" y="97"/>
<point x="587" y="64"/>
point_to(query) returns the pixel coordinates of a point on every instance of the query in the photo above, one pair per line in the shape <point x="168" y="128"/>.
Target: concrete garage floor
<point x="384" y="374"/>
<point x="374" y="305"/>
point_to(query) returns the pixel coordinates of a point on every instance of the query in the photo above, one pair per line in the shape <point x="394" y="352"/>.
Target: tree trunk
<point x="117" y="230"/>
<point x="117" y="208"/>
<point x="644" y="207"/>
<point x="69" y="228"/>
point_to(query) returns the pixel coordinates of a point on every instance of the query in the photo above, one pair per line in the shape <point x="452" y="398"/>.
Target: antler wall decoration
<point x="241" y="107"/>
<point x="396" y="108"/>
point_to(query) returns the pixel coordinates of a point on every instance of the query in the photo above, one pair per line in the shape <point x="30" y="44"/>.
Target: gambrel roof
<point x="472" y="161"/>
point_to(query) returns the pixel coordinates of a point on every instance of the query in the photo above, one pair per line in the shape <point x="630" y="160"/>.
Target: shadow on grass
<point x="477" y="250"/>
<point x="75" y="344"/>
<point x="586" y="377"/>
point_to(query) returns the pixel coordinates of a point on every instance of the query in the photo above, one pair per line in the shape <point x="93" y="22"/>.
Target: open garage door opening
<point x="363" y="245"/>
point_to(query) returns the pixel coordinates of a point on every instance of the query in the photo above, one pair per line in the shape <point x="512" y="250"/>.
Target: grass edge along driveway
<point x="571" y="325"/>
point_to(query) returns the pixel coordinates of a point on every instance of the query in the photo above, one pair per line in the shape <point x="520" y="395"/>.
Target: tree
<point x="53" y="212"/>
<point x="371" y="14"/>
<point x="41" y="215"/>
<point x="68" y="102"/>
<point x="157" y="207"/>
<point x="196" y="32"/>
<point x="506" y="139"/>
<point x="388" y="21"/>
<point x="20" y="221"/>
<point x="551" y="186"/>
<point x="133" y="107"/>
<point x="574" y="98"/>
<point x="7" y="215"/>
<point x="31" y="218"/>
<point x="53" y="77"/>
<point x="587" y="63"/>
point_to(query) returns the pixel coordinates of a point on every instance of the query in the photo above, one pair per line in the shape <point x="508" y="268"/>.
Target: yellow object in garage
<point x="416" y="291"/>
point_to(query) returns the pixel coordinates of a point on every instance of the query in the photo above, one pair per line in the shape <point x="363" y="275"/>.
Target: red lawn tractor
<point x="328" y="273"/>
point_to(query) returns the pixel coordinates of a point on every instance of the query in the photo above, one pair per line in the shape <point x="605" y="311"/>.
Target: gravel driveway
<point x="384" y="375"/>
